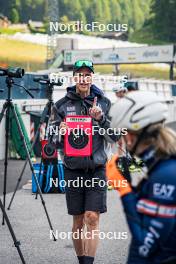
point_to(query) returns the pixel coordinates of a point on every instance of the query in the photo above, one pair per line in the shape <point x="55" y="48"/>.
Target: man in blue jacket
<point x="86" y="203"/>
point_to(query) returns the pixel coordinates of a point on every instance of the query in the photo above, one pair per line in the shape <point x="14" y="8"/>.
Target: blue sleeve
<point x="147" y="229"/>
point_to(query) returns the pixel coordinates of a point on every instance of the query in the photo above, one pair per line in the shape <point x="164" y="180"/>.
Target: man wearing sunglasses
<point x="85" y="203"/>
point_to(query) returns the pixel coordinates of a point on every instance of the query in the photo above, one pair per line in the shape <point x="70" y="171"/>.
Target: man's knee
<point x="78" y="222"/>
<point x="91" y="218"/>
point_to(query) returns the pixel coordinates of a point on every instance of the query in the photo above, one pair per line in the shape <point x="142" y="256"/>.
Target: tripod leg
<point x="40" y="171"/>
<point x="3" y="111"/>
<point x="32" y="169"/>
<point x="16" y="243"/>
<point x="41" y="162"/>
<point x="6" y="106"/>
<point x="43" y="117"/>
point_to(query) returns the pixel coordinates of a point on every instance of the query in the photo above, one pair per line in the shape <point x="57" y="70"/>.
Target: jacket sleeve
<point x="149" y="229"/>
<point x="105" y="122"/>
<point x="54" y="134"/>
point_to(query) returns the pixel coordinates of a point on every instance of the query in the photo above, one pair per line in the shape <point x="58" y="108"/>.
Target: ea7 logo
<point x="163" y="190"/>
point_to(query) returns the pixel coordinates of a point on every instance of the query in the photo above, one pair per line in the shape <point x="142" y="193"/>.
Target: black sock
<point x="81" y="259"/>
<point x="88" y="260"/>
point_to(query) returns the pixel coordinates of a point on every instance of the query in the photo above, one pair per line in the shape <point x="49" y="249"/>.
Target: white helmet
<point x="137" y="110"/>
<point x="119" y="89"/>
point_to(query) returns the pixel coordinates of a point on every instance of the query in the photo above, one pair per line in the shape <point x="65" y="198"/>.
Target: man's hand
<point x="96" y="111"/>
<point x="115" y="177"/>
<point x="62" y="130"/>
<point x="63" y="126"/>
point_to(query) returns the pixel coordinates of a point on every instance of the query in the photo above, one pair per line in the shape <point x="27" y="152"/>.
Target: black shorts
<point x="88" y="192"/>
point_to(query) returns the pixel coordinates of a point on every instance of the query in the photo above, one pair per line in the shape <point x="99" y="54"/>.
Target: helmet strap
<point x="139" y="139"/>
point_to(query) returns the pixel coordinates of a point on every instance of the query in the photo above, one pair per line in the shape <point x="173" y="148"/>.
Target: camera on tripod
<point x="12" y="72"/>
<point x="49" y="150"/>
<point x="45" y="79"/>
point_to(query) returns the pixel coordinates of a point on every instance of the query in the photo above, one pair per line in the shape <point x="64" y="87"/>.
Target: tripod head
<point x="12" y="72"/>
<point x="46" y="80"/>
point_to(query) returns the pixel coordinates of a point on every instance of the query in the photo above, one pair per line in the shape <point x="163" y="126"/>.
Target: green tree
<point x="164" y="25"/>
<point x="85" y="7"/>
<point x="106" y="11"/>
<point x="93" y="11"/>
<point x="33" y="9"/>
<point x="138" y="16"/>
<point x="73" y="9"/>
<point x="14" y="16"/>
<point x="132" y="12"/>
<point x="83" y="17"/>
<point x="115" y="9"/>
<point x="127" y="12"/>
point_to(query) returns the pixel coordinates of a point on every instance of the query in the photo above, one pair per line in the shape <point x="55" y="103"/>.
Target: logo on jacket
<point x="71" y="110"/>
<point x="164" y="191"/>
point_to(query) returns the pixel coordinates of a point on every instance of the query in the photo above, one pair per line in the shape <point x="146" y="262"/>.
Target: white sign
<point x="147" y="54"/>
<point x="175" y="58"/>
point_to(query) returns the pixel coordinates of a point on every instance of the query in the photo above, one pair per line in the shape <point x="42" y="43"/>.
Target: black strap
<point x="125" y="162"/>
<point x="140" y="137"/>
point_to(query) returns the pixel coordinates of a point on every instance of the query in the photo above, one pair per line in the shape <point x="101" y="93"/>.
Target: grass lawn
<point x="138" y="70"/>
<point x="10" y="31"/>
<point x="24" y="54"/>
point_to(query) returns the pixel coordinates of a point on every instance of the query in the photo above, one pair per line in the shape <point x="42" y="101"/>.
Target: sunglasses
<point x="82" y="63"/>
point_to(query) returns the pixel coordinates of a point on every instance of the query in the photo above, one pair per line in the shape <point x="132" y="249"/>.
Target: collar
<point x="94" y="91"/>
<point x="149" y="156"/>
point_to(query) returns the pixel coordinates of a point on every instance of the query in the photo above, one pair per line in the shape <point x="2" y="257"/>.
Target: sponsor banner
<point x="146" y="54"/>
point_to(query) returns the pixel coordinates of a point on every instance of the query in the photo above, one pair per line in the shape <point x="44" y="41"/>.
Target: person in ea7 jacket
<point x="150" y="208"/>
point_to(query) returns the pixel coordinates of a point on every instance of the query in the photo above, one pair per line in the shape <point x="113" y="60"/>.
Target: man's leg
<point x="78" y="226"/>
<point x="95" y="203"/>
<point x="75" y="206"/>
<point x="92" y="224"/>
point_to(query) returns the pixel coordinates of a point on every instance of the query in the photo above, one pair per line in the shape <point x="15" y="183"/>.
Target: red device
<point x="49" y="150"/>
<point x="78" y="137"/>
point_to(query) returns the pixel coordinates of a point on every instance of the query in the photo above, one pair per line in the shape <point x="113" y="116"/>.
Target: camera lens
<point x="49" y="150"/>
<point x="12" y="72"/>
<point x="15" y="72"/>
<point x="78" y="139"/>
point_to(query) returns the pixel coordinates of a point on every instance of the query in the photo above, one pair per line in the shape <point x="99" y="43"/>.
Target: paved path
<point x="31" y="227"/>
<point x="13" y="172"/>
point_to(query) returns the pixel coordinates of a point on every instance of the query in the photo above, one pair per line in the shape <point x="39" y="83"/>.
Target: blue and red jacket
<point x="151" y="213"/>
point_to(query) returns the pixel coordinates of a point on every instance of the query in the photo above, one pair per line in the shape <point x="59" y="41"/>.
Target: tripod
<point x="16" y="242"/>
<point x="45" y="117"/>
<point x="8" y="105"/>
